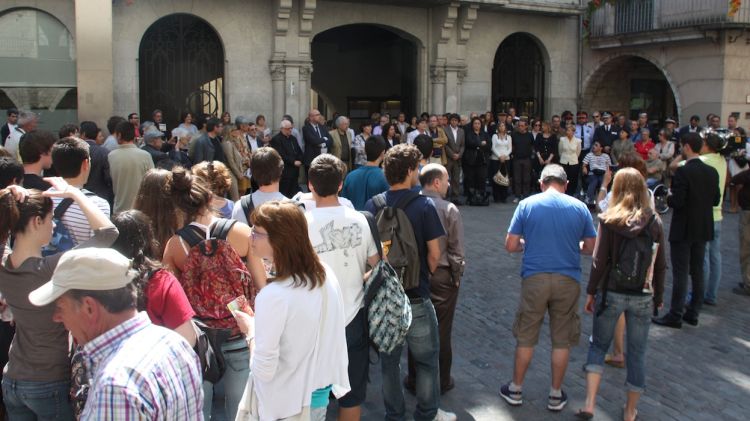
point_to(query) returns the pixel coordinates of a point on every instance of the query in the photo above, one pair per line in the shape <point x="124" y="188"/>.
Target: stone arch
<point x="593" y="81"/>
<point x="60" y="11"/>
<point x="181" y="67"/>
<point x="530" y="95"/>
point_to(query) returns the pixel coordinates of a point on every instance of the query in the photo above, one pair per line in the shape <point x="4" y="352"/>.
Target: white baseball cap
<point x="93" y="269"/>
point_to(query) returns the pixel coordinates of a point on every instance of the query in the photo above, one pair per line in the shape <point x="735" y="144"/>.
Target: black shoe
<point x="711" y="303"/>
<point x="741" y="291"/>
<point x="668" y="320"/>
<point x="690" y="319"/>
<point x="410" y="385"/>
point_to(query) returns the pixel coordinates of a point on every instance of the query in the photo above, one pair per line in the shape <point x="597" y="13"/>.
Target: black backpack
<point x="398" y="239"/>
<point x="247" y="206"/>
<point x="630" y="270"/>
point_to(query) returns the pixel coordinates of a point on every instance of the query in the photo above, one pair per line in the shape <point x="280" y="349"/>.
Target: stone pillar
<point x="454" y="75"/>
<point x="437" y="76"/>
<point x="94" y="59"/>
<point x="305" y="71"/>
<point x="292" y="93"/>
<point x="278" y="73"/>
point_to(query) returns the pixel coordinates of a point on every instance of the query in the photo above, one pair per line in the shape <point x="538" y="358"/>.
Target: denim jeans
<point x="637" y="309"/>
<point x="424" y="345"/>
<point x="29" y="400"/>
<point x="237" y="359"/>
<point x="594" y="182"/>
<point x="712" y="264"/>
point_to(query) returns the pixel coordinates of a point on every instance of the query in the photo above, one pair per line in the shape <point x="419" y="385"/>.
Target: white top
<point x="341" y="237"/>
<point x="307" y="200"/>
<point x="12" y="142"/>
<point x="569" y="150"/>
<point x="189" y="127"/>
<point x="666" y="150"/>
<point x="75" y="220"/>
<point x="290" y="361"/>
<point x="413" y="135"/>
<point x="501" y="146"/>
<point x="597" y="162"/>
<point x="259" y="198"/>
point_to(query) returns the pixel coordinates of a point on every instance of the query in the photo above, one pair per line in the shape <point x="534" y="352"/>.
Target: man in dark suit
<point x="694" y="193"/>
<point x="316" y="137"/>
<point x="607" y="133"/>
<point x="455" y="150"/>
<point x="100" y="179"/>
<point x="9" y="126"/>
<point x="286" y="145"/>
<point x="693" y="127"/>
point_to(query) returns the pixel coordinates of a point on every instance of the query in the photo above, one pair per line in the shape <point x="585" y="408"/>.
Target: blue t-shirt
<point x="552" y="224"/>
<point x="362" y="184"/>
<point x="427" y="226"/>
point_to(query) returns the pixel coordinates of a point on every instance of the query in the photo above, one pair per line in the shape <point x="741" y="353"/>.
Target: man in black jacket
<point x="694" y="193"/>
<point x="100" y="179"/>
<point x="523" y="143"/>
<point x="607" y="133"/>
<point x="286" y="145"/>
<point x="693" y="127"/>
<point x="316" y="137"/>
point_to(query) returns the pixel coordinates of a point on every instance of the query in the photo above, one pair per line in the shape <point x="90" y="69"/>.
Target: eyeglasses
<point x="596" y="116"/>
<point x="256" y="235"/>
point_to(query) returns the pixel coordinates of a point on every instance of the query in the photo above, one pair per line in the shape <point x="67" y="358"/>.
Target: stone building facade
<point x="276" y="57"/>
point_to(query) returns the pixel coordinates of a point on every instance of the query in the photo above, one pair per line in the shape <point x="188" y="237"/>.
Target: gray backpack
<point x="398" y="240"/>
<point x="386" y="304"/>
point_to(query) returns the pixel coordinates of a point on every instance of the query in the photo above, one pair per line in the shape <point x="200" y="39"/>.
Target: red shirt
<point x="642" y="148"/>
<point x="166" y="302"/>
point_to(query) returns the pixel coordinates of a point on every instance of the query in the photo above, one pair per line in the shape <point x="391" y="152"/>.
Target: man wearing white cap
<point x="138" y="370"/>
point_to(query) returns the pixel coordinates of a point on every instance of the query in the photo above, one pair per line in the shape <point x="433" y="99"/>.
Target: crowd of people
<point x="148" y="247"/>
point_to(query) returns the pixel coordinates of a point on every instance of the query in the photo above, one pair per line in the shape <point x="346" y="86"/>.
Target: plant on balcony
<point x="734" y="7"/>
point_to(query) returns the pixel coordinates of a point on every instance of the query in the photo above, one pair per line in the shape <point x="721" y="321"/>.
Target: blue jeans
<point x="424" y="344"/>
<point x="594" y="182"/>
<point x="637" y="309"/>
<point x="712" y="264"/>
<point x="233" y="382"/>
<point x="28" y="400"/>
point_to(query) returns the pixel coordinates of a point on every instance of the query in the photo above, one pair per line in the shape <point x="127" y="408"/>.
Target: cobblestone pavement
<point x="696" y="373"/>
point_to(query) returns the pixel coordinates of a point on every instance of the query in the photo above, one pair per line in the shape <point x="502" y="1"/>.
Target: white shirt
<point x="569" y="150"/>
<point x="259" y="198"/>
<point x="14" y="139"/>
<point x="252" y="142"/>
<point x="455" y="133"/>
<point x="290" y="361"/>
<point x="75" y="220"/>
<point x="309" y="202"/>
<point x="413" y="135"/>
<point x="501" y="146"/>
<point x="341" y="237"/>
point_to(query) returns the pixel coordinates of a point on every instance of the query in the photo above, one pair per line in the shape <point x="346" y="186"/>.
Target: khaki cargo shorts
<point x="553" y="293"/>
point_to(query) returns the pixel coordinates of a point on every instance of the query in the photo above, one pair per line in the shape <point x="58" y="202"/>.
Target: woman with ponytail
<point x="36" y="383"/>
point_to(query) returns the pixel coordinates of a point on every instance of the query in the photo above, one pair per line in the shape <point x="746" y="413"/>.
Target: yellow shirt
<point x="718" y="163"/>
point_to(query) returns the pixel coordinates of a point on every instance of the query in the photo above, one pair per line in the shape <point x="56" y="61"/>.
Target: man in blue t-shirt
<point x="548" y="228"/>
<point x="368" y="180"/>
<point x="401" y="162"/>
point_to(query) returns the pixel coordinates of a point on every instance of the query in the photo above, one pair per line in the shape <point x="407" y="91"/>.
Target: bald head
<point x="434" y="178"/>
<point x="286" y="124"/>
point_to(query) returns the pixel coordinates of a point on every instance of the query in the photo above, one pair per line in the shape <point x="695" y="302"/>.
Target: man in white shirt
<point x="421" y="129"/>
<point x="27" y="121"/>
<point x="342" y="238"/>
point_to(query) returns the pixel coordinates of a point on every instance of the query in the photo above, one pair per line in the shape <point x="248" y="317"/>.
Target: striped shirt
<point x="75" y="220"/>
<point x="140" y="371"/>
<point x="597" y="162"/>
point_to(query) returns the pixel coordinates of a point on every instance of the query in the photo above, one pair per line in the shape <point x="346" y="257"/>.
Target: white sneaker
<point x="445" y="416"/>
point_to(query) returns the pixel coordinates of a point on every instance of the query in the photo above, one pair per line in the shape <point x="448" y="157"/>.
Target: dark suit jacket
<point x="313" y="142"/>
<point x="686" y="129"/>
<point x="100" y="180"/>
<point x="694" y="193"/>
<point x="606" y="137"/>
<point x="290" y="151"/>
<point x="4" y="133"/>
<point x="455" y="145"/>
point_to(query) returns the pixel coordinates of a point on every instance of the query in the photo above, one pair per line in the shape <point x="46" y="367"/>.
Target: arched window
<point x="181" y="68"/>
<point x="518" y="76"/>
<point x="38" y="62"/>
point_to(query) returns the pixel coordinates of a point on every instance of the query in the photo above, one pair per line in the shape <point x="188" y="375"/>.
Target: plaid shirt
<point x="141" y="371"/>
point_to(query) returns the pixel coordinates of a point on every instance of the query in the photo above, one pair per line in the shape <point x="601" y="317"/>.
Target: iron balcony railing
<point x="634" y="16"/>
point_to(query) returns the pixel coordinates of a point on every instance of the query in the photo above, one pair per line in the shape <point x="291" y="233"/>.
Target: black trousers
<point x="687" y="258"/>
<point x="522" y="177"/>
<point x="572" y="172"/>
<point x="475" y="177"/>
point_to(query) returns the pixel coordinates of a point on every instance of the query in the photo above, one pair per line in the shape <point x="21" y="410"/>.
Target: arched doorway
<point x="38" y="63"/>
<point x="360" y="69"/>
<point x="181" y="68"/>
<point x="519" y="76"/>
<point x="630" y="84"/>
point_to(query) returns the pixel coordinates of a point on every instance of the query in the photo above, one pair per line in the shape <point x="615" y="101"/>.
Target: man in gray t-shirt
<point x="267" y="165"/>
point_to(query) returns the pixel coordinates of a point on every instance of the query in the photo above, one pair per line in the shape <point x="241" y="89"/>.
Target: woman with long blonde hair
<point x="630" y="231"/>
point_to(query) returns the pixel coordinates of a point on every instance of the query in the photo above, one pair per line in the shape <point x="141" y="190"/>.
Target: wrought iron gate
<point x="181" y="69"/>
<point x="518" y="76"/>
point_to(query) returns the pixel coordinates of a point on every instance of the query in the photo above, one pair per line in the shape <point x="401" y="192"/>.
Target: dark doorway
<point x="181" y="69"/>
<point x="360" y="62"/>
<point x="518" y="76"/>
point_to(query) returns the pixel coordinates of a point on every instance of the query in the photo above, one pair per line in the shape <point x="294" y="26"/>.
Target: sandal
<point x="582" y="414"/>
<point x="609" y="360"/>
<point x="635" y="415"/>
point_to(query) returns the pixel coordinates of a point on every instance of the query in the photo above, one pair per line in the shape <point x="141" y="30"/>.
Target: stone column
<point x="278" y="73"/>
<point x="454" y="75"/>
<point x="437" y="76"/>
<point x="94" y="59"/>
<point x="305" y="71"/>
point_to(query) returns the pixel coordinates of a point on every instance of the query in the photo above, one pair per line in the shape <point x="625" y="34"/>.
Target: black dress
<point x="475" y="163"/>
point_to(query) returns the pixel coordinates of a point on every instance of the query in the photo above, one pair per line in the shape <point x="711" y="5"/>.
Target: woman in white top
<point x="187" y="123"/>
<point x="502" y="147"/>
<point x="569" y="149"/>
<point x="299" y="349"/>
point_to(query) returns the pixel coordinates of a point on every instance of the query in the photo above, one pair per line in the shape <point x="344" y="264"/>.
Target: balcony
<point x="634" y="22"/>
